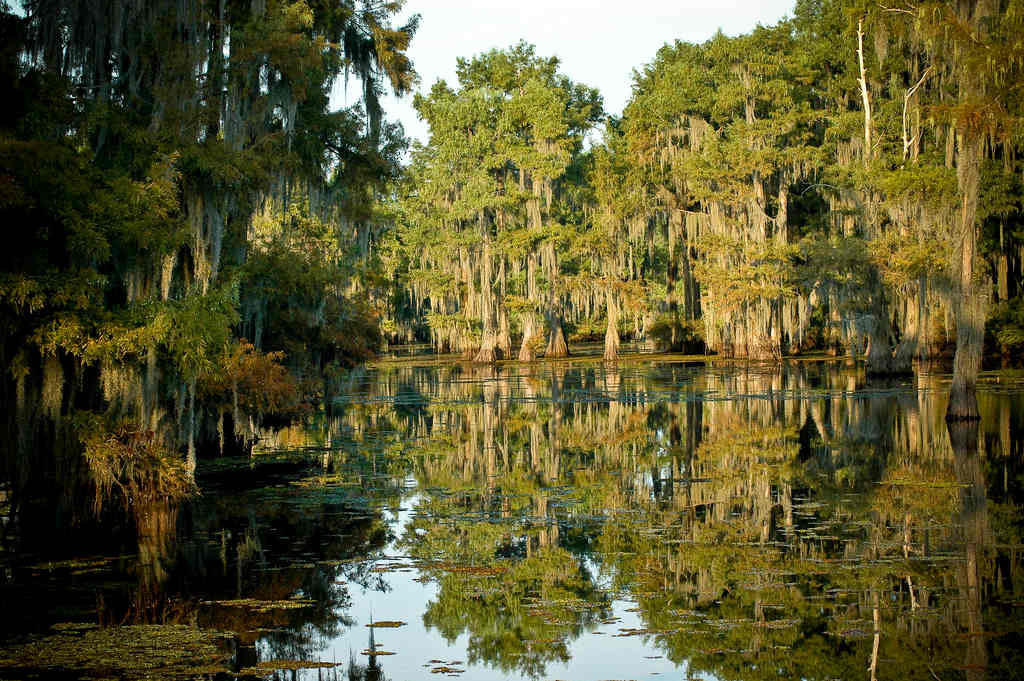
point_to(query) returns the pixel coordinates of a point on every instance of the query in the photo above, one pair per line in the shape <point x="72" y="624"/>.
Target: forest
<point x="199" y="247"/>
<point x="760" y="196"/>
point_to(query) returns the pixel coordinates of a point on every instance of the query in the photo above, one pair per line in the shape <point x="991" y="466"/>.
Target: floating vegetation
<point x="141" y="652"/>
<point x="855" y="633"/>
<point x="263" y="606"/>
<point x="395" y="567"/>
<point x="387" y="624"/>
<point x="77" y="565"/>
<point x="324" y="481"/>
<point x="274" y="665"/>
<point x="777" y="624"/>
<point x="630" y="631"/>
<point x="472" y="570"/>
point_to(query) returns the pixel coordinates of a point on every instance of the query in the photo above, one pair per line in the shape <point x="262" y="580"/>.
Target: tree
<point x="978" y="58"/>
<point x="722" y="131"/>
<point x="143" y="140"/>
<point x="484" y="197"/>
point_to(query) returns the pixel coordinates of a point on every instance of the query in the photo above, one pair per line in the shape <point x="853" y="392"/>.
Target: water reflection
<point x="765" y="523"/>
<point x="585" y="521"/>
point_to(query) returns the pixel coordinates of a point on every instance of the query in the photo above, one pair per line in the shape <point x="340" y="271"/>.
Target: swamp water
<point x="654" y="520"/>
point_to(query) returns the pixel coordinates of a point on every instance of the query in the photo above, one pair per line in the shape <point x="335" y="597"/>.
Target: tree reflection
<point x="767" y="522"/>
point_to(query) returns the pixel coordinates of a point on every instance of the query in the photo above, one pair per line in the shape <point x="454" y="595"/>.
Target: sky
<point x="599" y="42"/>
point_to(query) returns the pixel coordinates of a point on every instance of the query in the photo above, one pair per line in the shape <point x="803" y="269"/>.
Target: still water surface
<point x="655" y="520"/>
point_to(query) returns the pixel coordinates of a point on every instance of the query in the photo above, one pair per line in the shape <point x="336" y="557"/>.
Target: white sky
<point x="599" y="42"/>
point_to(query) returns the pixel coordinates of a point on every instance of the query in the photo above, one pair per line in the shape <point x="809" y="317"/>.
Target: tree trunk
<point x="504" y="339"/>
<point x="526" y="353"/>
<point x="611" y="334"/>
<point x="970" y="336"/>
<point x="758" y="341"/>
<point x="557" y="347"/>
<point x="671" y="273"/>
<point x="970" y="297"/>
<point x="911" y="344"/>
<point x="881" y="361"/>
<point x="865" y="96"/>
<point x="488" y="352"/>
<point x="1002" y="269"/>
<point x="763" y="347"/>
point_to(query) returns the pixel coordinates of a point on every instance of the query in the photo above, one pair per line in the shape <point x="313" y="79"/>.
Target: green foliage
<point x="497" y="183"/>
<point x="293" y="303"/>
<point x="133" y="466"/>
<point x="1006" y="325"/>
<point x="172" y="176"/>
<point x="736" y="156"/>
<point x="668" y="331"/>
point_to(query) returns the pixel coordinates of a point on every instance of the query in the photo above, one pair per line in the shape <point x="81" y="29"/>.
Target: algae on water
<point x="147" y="651"/>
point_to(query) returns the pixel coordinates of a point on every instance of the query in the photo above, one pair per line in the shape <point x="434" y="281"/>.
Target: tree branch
<point x="906" y="102"/>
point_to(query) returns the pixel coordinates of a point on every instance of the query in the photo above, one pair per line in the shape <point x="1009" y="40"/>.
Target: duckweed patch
<point x="168" y="651"/>
<point x="263" y="606"/>
<point x="262" y="668"/>
<point x="76" y="564"/>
